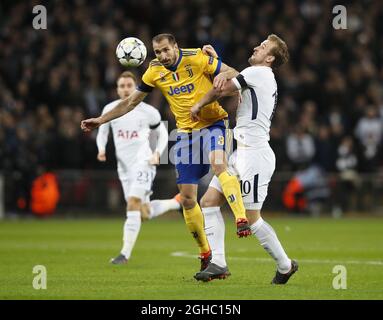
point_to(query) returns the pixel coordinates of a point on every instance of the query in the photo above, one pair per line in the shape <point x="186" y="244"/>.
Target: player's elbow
<point x="188" y="201"/>
<point x="208" y="201"/>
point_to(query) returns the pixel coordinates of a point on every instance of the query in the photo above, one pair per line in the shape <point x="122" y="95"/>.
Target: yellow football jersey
<point x="184" y="84"/>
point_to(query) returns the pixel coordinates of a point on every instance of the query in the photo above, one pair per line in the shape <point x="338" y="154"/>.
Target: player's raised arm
<point x="126" y="105"/>
<point x="225" y="72"/>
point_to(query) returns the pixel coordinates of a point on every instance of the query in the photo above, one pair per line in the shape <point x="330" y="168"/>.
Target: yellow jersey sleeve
<point x="209" y="65"/>
<point x="147" y="83"/>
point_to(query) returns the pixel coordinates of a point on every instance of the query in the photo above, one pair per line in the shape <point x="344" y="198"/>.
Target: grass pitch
<point x="76" y="255"/>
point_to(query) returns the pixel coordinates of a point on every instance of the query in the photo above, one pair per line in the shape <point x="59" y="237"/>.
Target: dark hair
<point x="279" y="51"/>
<point x="127" y="74"/>
<point x="162" y="36"/>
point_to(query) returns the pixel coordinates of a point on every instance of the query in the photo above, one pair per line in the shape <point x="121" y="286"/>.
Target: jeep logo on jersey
<point x="182" y="89"/>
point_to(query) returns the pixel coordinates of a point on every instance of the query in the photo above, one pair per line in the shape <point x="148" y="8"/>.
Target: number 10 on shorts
<point x="248" y="187"/>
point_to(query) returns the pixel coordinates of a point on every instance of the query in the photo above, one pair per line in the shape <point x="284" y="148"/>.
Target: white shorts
<point x="137" y="181"/>
<point x="254" y="168"/>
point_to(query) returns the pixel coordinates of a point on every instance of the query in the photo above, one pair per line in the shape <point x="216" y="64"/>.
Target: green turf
<point x="76" y="254"/>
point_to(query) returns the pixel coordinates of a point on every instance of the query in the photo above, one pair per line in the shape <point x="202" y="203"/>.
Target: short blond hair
<point x="280" y="51"/>
<point x="127" y="74"/>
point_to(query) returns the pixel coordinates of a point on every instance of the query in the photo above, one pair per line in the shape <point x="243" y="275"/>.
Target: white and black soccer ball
<point x="131" y="52"/>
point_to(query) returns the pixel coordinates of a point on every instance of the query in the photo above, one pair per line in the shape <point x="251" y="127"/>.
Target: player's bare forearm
<point x="229" y="89"/>
<point x="225" y="74"/>
<point x="228" y="72"/>
<point x="208" y="98"/>
<point x="124" y="106"/>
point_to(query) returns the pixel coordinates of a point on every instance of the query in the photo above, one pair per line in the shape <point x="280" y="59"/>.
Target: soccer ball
<point x="131" y="52"/>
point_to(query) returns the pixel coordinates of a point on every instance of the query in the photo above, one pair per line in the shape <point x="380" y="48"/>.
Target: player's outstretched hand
<point x="219" y="81"/>
<point x="194" y="113"/>
<point x="90" y="124"/>
<point x="209" y="50"/>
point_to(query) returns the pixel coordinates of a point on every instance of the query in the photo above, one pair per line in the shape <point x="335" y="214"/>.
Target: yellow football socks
<point x="194" y="222"/>
<point x="232" y="192"/>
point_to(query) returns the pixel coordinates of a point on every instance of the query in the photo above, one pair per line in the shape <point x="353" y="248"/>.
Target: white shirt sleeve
<point x="159" y="132"/>
<point x="162" y="138"/>
<point x="102" y="136"/>
<point x="358" y="129"/>
<point x="154" y="117"/>
<point x="249" y="77"/>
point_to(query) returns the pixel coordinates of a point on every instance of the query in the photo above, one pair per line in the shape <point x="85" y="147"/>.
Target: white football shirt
<point x="130" y="133"/>
<point x="259" y="99"/>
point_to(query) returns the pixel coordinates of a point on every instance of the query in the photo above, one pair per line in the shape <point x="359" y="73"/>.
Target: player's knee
<point x="145" y="213"/>
<point x="188" y="202"/>
<point x="253" y="216"/>
<point x="209" y="201"/>
<point x="134" y="204"/>
<point x="218" y="168"/>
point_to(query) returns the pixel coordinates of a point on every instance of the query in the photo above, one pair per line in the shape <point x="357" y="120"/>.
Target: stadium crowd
<point x="330" y="108"/>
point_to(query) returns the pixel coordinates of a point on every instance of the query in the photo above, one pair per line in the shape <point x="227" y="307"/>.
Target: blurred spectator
<point x="69" y="145"/>
<point x="349" y="180"/>
<point x="369" y="133"/>
<point x="45" y="193"/>
<point x="308" y="191"/>
<point x="308" y="119"/>
<point x="325" y="149"/>
<point x="300" y="148"/>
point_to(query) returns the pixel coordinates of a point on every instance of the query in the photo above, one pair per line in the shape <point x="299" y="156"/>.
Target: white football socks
<point x="215" y="233"/>
<point x="269" y="241"/>
<point x="158" y="207"/>
<point x="132" y="227"/>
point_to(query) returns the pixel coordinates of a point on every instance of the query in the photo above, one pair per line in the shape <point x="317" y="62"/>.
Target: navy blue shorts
<point x="192" y="149"/>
